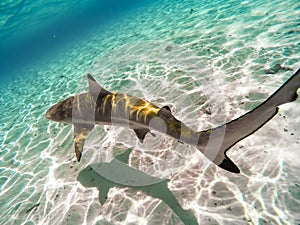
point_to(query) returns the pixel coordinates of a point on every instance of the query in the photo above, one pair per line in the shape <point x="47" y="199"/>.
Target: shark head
<point x="79" y="110"/>
<point x="61" y="111"/>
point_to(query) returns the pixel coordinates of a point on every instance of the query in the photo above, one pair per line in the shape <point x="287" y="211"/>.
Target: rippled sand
<point x="208" y="64"/>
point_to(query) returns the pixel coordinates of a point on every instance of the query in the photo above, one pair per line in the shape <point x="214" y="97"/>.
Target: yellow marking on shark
<point x="105" y="102"/>
<point x="186" y="132"/>
<point x="78" y="104"/>
<point x="143" y="110"/>
<point x="89" y="98"/>
<point x="113" y="102"/>
<point x="79" y="142"/>
<point x="126" y="99"/>
<point x="150" y="109"/>
<point x="127" y="104"/>
<point x="137" y="109"/>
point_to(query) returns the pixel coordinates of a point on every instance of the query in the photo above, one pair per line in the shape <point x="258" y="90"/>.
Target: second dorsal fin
<point x="165" y="111"/>
<point x="167" y="108"/>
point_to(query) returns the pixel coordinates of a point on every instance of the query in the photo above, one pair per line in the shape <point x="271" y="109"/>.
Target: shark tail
<point x="215" y="142"/>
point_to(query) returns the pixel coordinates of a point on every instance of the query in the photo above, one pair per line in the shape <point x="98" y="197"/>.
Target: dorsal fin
<point x="165" y="111"/>
<point x="95" y="89"/>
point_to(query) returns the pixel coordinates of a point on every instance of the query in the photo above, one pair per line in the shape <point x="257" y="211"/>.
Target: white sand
<point x="213" y="56"/>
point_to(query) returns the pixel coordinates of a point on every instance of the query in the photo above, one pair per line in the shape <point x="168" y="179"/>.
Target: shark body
<point x="101" y="107"/>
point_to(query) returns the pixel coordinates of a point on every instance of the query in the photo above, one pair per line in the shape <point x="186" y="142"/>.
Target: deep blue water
<point x="25" y="43"/>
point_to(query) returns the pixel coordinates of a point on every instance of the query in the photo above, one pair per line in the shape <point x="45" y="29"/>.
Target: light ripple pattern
<point x="232" y="43"/>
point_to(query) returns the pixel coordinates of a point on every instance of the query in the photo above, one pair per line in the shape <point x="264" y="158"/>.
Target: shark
<point x="99" y="106"/>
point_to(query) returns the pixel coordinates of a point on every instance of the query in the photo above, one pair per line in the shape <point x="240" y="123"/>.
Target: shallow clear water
<point x="193" y="56"/>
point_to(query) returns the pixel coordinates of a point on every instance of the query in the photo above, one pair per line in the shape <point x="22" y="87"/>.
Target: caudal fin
<point x="215" y="142"/>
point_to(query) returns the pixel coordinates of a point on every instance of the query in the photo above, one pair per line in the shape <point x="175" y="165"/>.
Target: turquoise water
<point x="196" y="57"/>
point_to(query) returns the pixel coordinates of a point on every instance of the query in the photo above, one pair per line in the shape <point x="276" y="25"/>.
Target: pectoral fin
<point x="103" y="192"/>
<point x="80" y="135"/>
<point x="141" y="133"/>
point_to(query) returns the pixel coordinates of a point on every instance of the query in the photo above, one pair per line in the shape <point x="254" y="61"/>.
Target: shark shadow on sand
<point x="118" y="174"/>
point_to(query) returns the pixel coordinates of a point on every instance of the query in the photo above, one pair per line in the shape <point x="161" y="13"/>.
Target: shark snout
<point x="59" y="113"/>
<point x="47" y="114"/>
<point x="52" y="113"/>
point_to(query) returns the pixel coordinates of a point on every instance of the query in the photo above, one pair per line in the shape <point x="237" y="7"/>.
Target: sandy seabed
<point x="194" y="57"/>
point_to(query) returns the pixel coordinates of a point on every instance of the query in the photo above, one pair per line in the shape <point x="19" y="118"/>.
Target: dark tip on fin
<point x="165" y="111"/>
<point x="167" y="108"/>
<point x="90" y="77"/>
<point x="228" y="165"/>
<point x="95" y="89"/>
<point x="78" y="149"/>
<point x="141" y="133"/>
<point x="80" y="135"/>
<point x="78" y="156"/>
